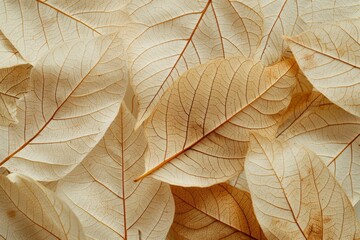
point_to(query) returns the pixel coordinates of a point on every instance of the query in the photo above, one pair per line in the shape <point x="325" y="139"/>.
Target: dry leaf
<point x="217" y="212"/>
<point x="294" y="194"/>
<point x="108" y="102"/>
<point x="330" y="132"/>
<point x="103" y="194"/>
<point x="280" y="18"/>
<point x="30" y="211"/>
<point x="14" y="82"/>
<point x="70" y="108"/>
<point x="163" y="44"/>
<point x="315" y="13"/>
<point x="9" y="56"/>
<point x="35" y="27"/>
<point x="198" y="134"/>
<point x="332" y="63"/>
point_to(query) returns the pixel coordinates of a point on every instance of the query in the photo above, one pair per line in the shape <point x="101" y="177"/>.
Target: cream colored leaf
<point x="103" y="194"/>
<point x="280" y="18"/>
<point x="217" y="212"/>
<point x="163" y="44"/>
<point x="14" y="82"/>
<point x="78" y="90"/>
<point x="333" y="134"/>
<point x="35" y="26"/>
<point x="294" y="194"/>
<point x="9" y="56"/>
<point x="315" y="13"/>
<point x="198" y="133"/>
<point x="330" y="58"/>
<point x="240" y="182"/>
<point x="30" y="211"/>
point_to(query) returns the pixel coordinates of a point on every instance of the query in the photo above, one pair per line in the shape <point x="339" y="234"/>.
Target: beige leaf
<point x="330" y="132"/>
<point x="217" y="212"/>
<point x="180" y="34"/>
<point x="78" y="90"/>
<point x="240" y="182"/>
<point x="280" y="18"/>
<point x="198" y="133"/>
<point x="14" y="82"/>
<point x="103" y="194"/>
<point x="33" y="27"/>
<point x="294" y="194"/>
<point x="330" y="58"/>
<point x="315" y="13"/>
<point x="30" y="211"/>
<point x="9" y="56"/>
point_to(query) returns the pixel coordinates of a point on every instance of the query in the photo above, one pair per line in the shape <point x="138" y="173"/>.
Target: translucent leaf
<point x="315" y="13"/>
<point x="294" y="194"/>
<point x="103" y="194"/>
<point x="330" y="132"/>
<point x="9" y="56"/>
<point x="330" y="58"/>
<point x="34" y="27"/>
<point x="30" y="211"/>
<point x="163" y="44"/>
<point x="78" y="90"/>
<point x="14" y="82"/>
<point x="198" y="133"/>
<point x="217" y="212"/>
<point x="280" y="18"/>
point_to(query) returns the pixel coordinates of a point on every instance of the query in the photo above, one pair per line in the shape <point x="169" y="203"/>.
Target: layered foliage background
<point x="154" y="119"/>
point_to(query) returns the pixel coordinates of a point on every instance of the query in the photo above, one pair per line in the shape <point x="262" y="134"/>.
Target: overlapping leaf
<point x="330" y="132"/>
<point x="14" y="82"/>
<point x="295" y="195"/>
<point x="217" y="212"/>
<point x="78" y="89"/>
<point x="163" y="44"/>
<point x="330" y="58"/>
<point x="9" y="56"/>
<point x="315" y="13"/>
<point x="280" y="18"/>
<point x="30" y="211"/>
<point x="198" y="134"/>
<point x="103" y="194"/>
<point x="34" y="27"/>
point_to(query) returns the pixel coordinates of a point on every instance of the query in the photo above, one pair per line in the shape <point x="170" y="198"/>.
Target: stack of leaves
<point x="179" y="119"/>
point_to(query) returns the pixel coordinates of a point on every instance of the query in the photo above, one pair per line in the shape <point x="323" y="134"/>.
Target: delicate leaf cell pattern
<point x="179" y="119"/>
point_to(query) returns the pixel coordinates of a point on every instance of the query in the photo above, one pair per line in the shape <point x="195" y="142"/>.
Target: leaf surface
<point x="103" y="194"/>
<point x="9" y="56"/>
<point x="14" y="82"/>
<point x="163" y="44"/>
<point x="78" y="90"/>
<point x="294" y="194"/>
<point x="330" y="132"/>
<point x="35" y="26"/>
<point x="217" y="212"/>
<point x="198" y="133"/>
<point x="280" y="18"/>
<point x="330" y="58"/>
<point x="30" y="211"/>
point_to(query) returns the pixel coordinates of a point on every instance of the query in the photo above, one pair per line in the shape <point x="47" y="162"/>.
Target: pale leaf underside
<point x="30" y="211"/>
<point x="330" y="132"/>
<point x="180" y="35"/>
<point x="198" y="133"/>
<point x="217" y="212"/>
<point x="329" y="57"/>
<point x="34" y="27"/>
<point x="104" y="196"/>
<point x="74" y="101"/>
<point x="14" y="82"/>
<point x="294" y="194"/>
